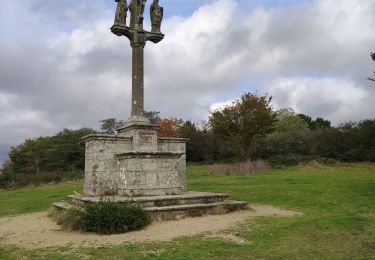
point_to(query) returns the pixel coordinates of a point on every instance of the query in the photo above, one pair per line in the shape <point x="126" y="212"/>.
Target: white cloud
<point x="221" y="105"/>
<point x="335" y="99"/>
<point x="313" y="56"/>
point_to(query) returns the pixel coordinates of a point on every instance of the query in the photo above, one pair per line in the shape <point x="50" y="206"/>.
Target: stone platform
<point x="135" y="162"/>
<point x="168" y="207"/>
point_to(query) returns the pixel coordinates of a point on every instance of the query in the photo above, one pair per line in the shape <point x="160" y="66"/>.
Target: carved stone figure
<point x="121" y="12"/>
<point x="136" y="161"/>
<point x="136" y="8"/>
<point x="156" y="13"/>
<point x="138" y="38"/>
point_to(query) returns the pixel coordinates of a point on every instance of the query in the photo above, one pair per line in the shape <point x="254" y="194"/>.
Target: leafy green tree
<point x="295" y="142"/>
<point x="68" y="150"/>
<point x="62" y="152"/>
<point x="153" y="116"/>
<point x="321" y="123"/>
<point x="110" y="125"/>
<point x="190" y="131"/>
<point x="251" y="116"/>
<point x="307" y="119"/>
<point x="7" y="164"/>
<point x="199" y="144"/>
<point x="317" y="123"/>
<point x="367" y="139"/>
<point x="288" y="120"/>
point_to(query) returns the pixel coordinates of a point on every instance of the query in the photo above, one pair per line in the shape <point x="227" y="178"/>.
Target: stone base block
<point x="169" y="207"/>
<point x="136" y="162"/>
<point x="156" y="201"/>
<point x="195" y="210"/>
<point x="148" y="192"/>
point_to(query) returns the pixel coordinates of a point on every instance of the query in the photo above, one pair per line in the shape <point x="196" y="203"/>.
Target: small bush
<point x="7" y="179"/>
<point x="279" y="161"/>
<point x="112" y="218"/>
<point x="69" y="219"/>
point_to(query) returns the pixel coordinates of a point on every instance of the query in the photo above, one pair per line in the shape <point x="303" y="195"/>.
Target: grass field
<point x="339" y="219"/>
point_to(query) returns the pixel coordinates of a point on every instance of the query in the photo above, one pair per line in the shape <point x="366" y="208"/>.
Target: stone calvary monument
<point x="136" y="161"/>
<point x="135" y="164"/>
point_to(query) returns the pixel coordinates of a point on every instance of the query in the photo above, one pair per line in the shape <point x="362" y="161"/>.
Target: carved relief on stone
<point x="121" y="12"/>
<point x="146" y="138"/>
<point x="156" y="13"/>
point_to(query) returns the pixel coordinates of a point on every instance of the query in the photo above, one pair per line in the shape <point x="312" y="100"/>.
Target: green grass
<point x="28" y="200"/>
<point x="339" y="219"/>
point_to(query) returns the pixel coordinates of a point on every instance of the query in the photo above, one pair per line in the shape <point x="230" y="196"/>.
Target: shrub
<point x="293" y="142"/>
<point x="7" y="179"/>
<point x="69" y="219"/>
<point x="112" y="218"/>
<point x="290" y="160"/>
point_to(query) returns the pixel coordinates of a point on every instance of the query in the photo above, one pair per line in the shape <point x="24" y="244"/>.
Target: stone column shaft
<point x="138" y="81"/>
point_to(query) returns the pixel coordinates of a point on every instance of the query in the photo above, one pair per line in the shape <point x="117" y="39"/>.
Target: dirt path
<point x="38" y="231"/>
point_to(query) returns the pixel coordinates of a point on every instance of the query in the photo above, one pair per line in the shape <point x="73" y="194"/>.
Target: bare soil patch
<point x="39" y="231"/>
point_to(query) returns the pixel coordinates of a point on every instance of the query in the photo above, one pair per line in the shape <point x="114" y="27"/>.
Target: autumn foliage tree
<point x="168" y="128"/>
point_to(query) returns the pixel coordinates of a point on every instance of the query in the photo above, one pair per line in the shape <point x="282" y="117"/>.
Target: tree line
<point x="249" y="128"/>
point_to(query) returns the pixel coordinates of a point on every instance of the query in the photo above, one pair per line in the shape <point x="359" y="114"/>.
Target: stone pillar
<point x="138" y="76"/>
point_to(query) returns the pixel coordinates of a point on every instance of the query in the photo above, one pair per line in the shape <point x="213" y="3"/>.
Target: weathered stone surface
<point x="101" y="176"/>
<point x="156" y="14"/>
<point x="191" y="197"/>
<point x="169" y="207"/>
<point x="138" y="38"/>
<point x="121" y="12"/>
<point x="136" y="162"/>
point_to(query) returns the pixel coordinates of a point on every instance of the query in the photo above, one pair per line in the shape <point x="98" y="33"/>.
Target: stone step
<point x="195" y="210"/>
<point x="62" y="205"/>
<point x="176" y="212"/>
<point x="157" y="201"/>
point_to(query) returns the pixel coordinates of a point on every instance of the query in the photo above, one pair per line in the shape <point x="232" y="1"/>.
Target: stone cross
<point x="138" y="38"/>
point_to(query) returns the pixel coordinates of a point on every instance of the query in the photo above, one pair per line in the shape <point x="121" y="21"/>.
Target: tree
<point x="307" y="119"/>
<point x="29" y="156"/>
<point x="251" y="116"/>
<point x="7" y="164"/>
<point x="64" y="151"/>
<point x="321" y="123"/>
<point x="167" y="128"/>
<point x="153" y="116"/>
<point x="317" y="123"/>
<point x="110" y="125"/>
<point x="288" y="120"/>
<point x="198" y="143"/>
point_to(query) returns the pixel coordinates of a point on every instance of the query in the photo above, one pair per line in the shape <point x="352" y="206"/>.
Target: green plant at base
<point x="69" y="219"/>
<point x="113" y="218"/>
<point x="230" y="207"/>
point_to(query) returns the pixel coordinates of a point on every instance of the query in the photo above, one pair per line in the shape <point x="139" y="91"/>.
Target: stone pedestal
<point x="135" y="165"/>
<point x="168" y="207"/>
<point x="135" y="162"/>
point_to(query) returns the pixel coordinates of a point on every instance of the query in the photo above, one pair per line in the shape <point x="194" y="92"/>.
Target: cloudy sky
<point x="60" y="66"/>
